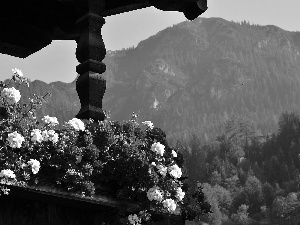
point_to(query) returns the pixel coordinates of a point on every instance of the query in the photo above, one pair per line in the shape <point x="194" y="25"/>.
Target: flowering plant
<point x="85" y="154"/>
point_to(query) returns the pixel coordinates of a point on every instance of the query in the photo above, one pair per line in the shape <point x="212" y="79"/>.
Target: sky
<point x="57" y="61"/>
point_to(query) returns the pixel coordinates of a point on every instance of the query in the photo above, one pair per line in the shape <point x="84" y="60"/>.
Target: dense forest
<point x="248" y="178"/>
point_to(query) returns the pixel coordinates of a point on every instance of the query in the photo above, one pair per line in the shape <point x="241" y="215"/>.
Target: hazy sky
<point x="57" y="61"/>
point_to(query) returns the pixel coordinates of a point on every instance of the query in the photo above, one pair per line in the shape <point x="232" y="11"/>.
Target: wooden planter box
<point x="29" y="206"/>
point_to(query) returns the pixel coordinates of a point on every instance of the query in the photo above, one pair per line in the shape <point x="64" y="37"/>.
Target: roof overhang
<point x="28" y="26"/>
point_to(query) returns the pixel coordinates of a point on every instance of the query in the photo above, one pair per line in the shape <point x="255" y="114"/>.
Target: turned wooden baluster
<point x="90" y="52"/>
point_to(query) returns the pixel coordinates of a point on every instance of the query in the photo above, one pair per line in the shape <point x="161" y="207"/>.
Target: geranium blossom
<point x="35" y="165"/>
<point x="11" y="95"/>
<point x="15" y="139"/>
<point x="77" y="124"/>
<point x="36" y="136"/>
<point x="162" y="170"/>
<point x="158" y="148"/>
<point x="148" y="124"/>
<point x="175" y="171"/>
<point x="169" y="204"/>
<point x="174" y="154"/>
<point x="52" y="121"/>
<point x="180" y="194"/>
<point x="17" y="72"/>
<point x="155" y="194"/>
<point x="134" y="219"/>
<point x="7" y="173"/>
<point x="45" y="135"/>
<point x="52" y="136"/>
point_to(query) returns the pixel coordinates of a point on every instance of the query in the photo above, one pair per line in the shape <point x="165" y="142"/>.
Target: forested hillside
<point x="247" y="178"/>
<point x="200" y="73"/>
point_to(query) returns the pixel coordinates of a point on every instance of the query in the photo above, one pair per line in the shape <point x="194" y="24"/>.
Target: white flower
<point x="52" y="136"/>
<point x="52" y="121"/>
<point x="169" y="204"/>
<point x="148" y="124"/>
<point x="134" y="219"/>
<point x="153" y="164"/>
<point x="174" y="154"/>
<point x="36" y="136"/>
<point x="175" y="171"/>
<point x="35" y="165"/>
<point x="45" y="135"/>
<point x="11" y="95"/>
<point x="5" y="190"/>
<point x="155" y="194"/>
<point x="17" y="72"/>
<point x="7" y="173"/>
<point x="158" y="148"/>
<point x="77" y="124"/>
<point x="162" y="170"/>
<point x="15" y="139"/>
<point x="180" y="194"/>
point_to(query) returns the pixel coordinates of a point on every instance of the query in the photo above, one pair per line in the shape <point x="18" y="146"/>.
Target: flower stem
<point x="32" y="107"/>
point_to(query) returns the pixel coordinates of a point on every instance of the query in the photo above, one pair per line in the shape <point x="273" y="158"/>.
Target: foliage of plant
<point x="137" y="163"/>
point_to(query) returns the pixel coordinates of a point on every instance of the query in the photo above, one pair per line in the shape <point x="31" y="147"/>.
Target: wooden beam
<point x="126" y="8"/>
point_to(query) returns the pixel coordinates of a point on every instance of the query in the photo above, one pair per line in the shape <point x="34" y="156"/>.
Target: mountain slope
<point x="191" y="77"/>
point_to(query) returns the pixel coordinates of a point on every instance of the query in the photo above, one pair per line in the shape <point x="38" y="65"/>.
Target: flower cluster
<point x="35" y="165"/>
<point x="149" y="124"/>
<point x="175" y="171"/>
<point x="36" y="136"/>
<point x="134" y="219"/>
<point x="180" y="194"/>
<point x="158" y="148"/>
<point x="17" y="72"/>
<point x="11" y="95"/>
<point x="15" y="139"/>
<point x="174" y="154"/>
<point x="83" y="153"/>
<point x="75" y="123"/>
<point x="162" y="170"/>
<point x="155" y="193"/>
<point x="169" y="204"/>
<point x="51" y="121"/>
<point x="7" y="177"/>
<point x="50" y="135"/>
<point x="8" y="174"/>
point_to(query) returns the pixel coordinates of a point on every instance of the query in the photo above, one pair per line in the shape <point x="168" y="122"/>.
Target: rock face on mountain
<point x="190" y="78"/>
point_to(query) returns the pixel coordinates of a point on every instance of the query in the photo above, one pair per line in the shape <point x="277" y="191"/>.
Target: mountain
<point x="191" y="77"/>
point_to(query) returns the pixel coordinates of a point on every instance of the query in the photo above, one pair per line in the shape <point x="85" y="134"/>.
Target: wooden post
<point x="90" y="52"/>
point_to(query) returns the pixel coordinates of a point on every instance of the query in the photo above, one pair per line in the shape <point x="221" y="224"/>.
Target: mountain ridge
<point x="191" y="77"/>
